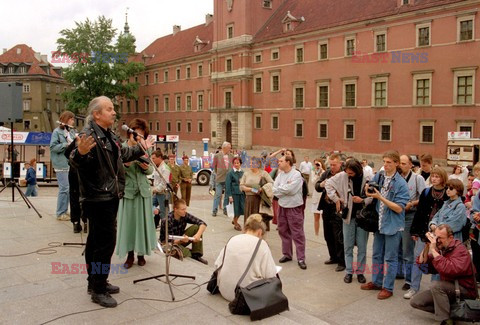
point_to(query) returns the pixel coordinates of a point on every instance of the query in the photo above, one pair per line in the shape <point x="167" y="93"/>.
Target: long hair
<point x="95" y="105"/>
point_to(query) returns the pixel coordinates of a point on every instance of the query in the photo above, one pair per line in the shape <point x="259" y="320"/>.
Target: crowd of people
<point x="425" y="217"/>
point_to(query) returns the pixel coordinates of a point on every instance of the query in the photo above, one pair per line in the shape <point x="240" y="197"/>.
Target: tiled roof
<point x="321" y="14"/>
<point x="26" y="55"/>
<point x="180" y="45"/>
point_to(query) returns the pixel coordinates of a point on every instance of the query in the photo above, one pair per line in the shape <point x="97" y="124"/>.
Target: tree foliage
<point x="94" y="75"/>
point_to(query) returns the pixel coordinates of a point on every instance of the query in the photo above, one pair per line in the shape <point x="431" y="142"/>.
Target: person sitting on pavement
<point x="238" y="253"/>
<point x="177" y="223"/>
<point x="448" y="257"/>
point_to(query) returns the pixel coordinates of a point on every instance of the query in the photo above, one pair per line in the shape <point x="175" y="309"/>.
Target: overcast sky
<point x="38" y="23"/>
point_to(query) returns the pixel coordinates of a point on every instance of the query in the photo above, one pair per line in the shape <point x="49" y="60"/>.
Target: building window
<point x="150" y="125"/>
<point x="157" y="125"/>
<point x="155" y="77"/>
<point x="155" y="105"/>
<point x="464" y="84"/>
<point x="26" y="88"/>
<point x="275" y="54"/>
<point x="136" y="79"/>
<point x="258" y="57"/>
<point x="187" y="72"/>
<point x="57" y="89"/>
<point x="427" y="132"/>
<point x="49" y="105"/>
<point x="423" y="34"/>
<point x="165" y="76"/>
<point x="267" y="4"/>
<point x="179" y="126"/>
<point x="350" y="46"/>
<point x="147" y="105"/>
<point x="178" y="103"/>
<point x="57" y="106"/>
<point x="466" y="126"/>
<point x="166" y="103"/>
<point x="299" y="99"/>
<point x="258" y="84"/>
<point x="22" y="70"/>
<point x="200" y="102"/>
<point x="189" y="102"/>
<point x="177" y="74"/>
<point x="136" y="105"/>
<point x="11" y="70"/>
<point x="128" y="106"/>
<point x="323" y="129"/>
<point x="380" y="42"/>
<point x="422" y="89"/>
<point x="323" y="50"/>
<point x="350" y="94"/>
<point x="189" y="127"/>
<point x="274" y="122"/>
<point x="349" y="131"/>
<point x="200" y="70"/>
<point x="200" y="127"/>
<point x="26" y="105"/>
<point x="258" y="121"/>
<point x="229" y="31"/>
<point x="322" y="94"/>
<point x="228" y="65"/>
<point x="379" y="92"/>
<point x="299" y="54"/>
<point x="275" y="82"/>
<point x="228" y="99"/>
<point x="299" y="129"/>
<point x="147" y="76"/>
<point x="385" y="131"/>
<point x="47" y="88"/>
<point x="26" y="124"/>
<point x="169" y="126"/>
<point x="465" y="27"/>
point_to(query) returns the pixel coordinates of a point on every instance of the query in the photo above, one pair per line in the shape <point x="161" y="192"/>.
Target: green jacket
<point x="136" y="181"/>
<point x="185" y="172"/>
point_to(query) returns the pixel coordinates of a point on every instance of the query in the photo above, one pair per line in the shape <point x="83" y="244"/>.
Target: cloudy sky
<point x="38" y="23"/>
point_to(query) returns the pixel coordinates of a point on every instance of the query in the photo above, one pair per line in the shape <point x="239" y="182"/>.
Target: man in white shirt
<point x="288" y="189"/>
<point x="367" y="170"/>
<point x="160" y="198"/>
<point x="306" y="169"/>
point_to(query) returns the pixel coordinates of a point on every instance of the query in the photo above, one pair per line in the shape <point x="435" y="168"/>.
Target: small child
<point x="31" y="178"/>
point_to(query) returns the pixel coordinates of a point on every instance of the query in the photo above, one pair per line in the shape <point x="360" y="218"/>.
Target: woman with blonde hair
<point x="236" y="255"/>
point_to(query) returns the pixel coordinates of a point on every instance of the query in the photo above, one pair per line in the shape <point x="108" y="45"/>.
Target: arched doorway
<point x="228" y="133"/>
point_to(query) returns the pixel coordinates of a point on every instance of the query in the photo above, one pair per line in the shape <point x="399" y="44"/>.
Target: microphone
<point x="131" y="131"/>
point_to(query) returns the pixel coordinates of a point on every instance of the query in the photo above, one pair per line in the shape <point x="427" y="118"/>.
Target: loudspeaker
<point x="11" y="109"/>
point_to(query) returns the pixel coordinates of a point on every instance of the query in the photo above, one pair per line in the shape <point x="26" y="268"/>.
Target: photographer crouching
<point x="447" y="256"/>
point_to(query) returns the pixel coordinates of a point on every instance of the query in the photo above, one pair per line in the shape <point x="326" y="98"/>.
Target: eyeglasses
<point x="451" y="188"/>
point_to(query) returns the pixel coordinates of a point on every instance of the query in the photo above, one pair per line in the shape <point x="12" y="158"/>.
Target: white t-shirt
<point x="305" y="167"/>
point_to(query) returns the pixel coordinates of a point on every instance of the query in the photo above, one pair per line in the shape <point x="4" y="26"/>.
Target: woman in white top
<point x="238" y="253"/>
<point x="461" y="173"/>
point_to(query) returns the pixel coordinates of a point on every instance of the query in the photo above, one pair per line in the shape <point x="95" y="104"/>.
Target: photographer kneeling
<point x="448" y="257"/>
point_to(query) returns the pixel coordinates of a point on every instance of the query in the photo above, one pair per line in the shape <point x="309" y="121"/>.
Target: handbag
<point x="212" y="284"/>
<point x="468" y="309"/>
<point x="260" y="299"/>
<point x="367" y="217"/>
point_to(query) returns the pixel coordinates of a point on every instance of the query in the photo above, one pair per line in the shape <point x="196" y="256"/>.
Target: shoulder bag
<point x="212" y="284"/>
<point x="260" y="299"/>
<point x="468" y="309"/>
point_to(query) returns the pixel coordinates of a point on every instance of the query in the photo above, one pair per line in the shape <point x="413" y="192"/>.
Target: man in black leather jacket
<point x="98" y="157"/>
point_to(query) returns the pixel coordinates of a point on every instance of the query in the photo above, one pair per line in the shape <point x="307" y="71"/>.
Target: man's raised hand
<point x="84" y="144"/>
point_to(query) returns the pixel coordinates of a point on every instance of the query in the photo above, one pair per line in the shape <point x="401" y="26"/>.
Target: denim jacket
<point x="452" y="213"/>
<point x="398" y="193"/>
<point x="58" y="145"/>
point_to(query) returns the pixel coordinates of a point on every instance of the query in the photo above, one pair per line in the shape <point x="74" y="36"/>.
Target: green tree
<point x="104" y="69"/>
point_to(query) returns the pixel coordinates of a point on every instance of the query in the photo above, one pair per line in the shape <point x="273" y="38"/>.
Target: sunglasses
<point x="451" y="188"/>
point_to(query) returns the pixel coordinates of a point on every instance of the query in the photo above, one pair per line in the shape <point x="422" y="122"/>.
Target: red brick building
<point x="357" y="76"/>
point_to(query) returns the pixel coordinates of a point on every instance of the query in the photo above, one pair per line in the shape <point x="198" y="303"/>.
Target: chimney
<point x="44" y="58"/>
<point x="4" y="50"/>
<point x="176" y="29"/>
<point x="208" y="19"/>
<point x="37" y="56"/>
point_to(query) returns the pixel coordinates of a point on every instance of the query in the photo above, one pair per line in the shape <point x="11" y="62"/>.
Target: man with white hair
<point x="99" y="157"/>
<point x="222" y="164"/>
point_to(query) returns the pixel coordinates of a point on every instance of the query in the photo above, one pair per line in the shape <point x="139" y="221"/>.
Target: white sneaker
<point x="63" y="217"/>
<point x="410" y="293"/>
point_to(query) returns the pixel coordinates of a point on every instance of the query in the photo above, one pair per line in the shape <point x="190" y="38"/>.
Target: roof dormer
<point x="199" y="44"/>
<point x="290" y="22"/>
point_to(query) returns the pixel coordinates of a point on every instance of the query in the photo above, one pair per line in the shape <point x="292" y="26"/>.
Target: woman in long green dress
<point x="136" y="227"/>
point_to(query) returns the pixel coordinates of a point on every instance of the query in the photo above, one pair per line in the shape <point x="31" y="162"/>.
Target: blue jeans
<point x="219" y="187"/>
<point x="31" y="190"/>
<point x="416" y="270"/>
<point x="353" y="234"/>
<point x="407" y="249"/>
<point x="159" y="200"/>
<point x="385" y="250"/>
<point x="63" y="193"/>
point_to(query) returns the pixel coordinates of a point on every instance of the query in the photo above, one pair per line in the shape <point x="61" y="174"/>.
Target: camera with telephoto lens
<point x="372" y="186"/>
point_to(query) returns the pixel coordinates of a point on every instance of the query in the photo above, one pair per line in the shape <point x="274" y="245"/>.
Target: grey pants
<point x="437" y="299"/>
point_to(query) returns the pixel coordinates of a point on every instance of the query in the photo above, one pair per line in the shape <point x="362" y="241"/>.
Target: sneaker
<point x="104" y="299"/>
<point x="410" y="293"/>
<point x="406" y="287"/>
<point x="384" y="294"/>
<point x="63" y="217"/>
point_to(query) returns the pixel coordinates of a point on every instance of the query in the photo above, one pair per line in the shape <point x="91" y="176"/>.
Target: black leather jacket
<point x="100" y="177"/>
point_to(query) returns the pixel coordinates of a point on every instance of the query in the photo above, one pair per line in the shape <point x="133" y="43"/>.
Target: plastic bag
<point x="230" y="210"/>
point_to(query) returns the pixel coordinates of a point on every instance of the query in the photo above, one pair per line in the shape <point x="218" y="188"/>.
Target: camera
<point x="143" y="160"/>
<point x="372" y="186"/>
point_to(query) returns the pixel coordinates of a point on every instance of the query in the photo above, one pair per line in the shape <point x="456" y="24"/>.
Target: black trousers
<point x="476" y="256"/>
<point x="102" y="217"/>
<point x="333" y="234"/>
<point x="75" y="208"/>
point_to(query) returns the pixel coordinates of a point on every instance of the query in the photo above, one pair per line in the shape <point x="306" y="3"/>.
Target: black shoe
<point x="85" y="228"/>
<point x="302" y="265"/>
<point x="111" y="289"/>
<point x="348" y="278"/>
<point x="361" y="278"/>
<point x="77" y="227"/>
<point x="284" y="259"/>
<point x="406" y="287"/>
<point x="330" y="261"/>
<point x="214" y="214"/>
<point x="200" y="259"/>
<point x="225" y="212"/>
<point x="104" y="299"/>
<point x="340" y="268"/>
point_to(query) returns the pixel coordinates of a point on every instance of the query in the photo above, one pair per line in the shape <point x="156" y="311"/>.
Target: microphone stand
<point x="168" y="247"/>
